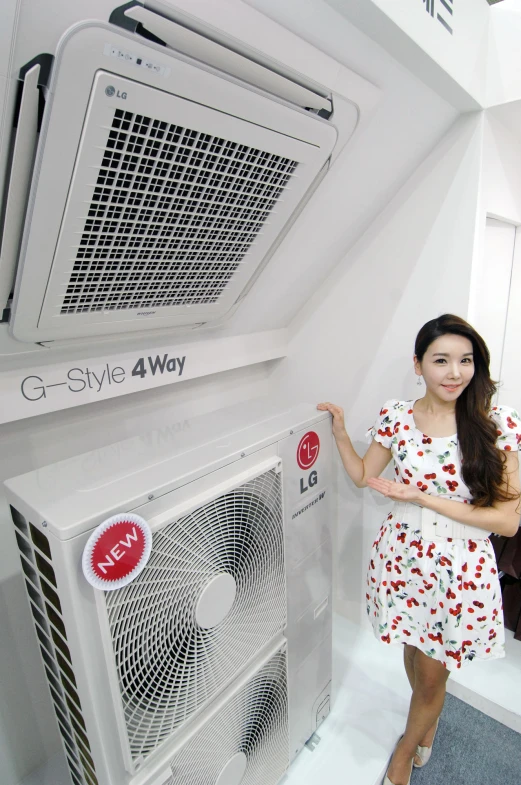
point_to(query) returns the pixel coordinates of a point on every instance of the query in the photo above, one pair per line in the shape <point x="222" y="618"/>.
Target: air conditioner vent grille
<point x="254" y="722"/>
<point x="173" y="212"/>
<point x="35" y="555"/>
<point x="168" y="665"/>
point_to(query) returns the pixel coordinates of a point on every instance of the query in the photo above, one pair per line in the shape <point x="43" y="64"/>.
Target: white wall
<point x="407" y="123"/>
<point x="454" y="63"/>
<point x="504" y="74"/>
<point x="495" y="282"/>
<point x="510" y="390"/>
<point x="492" y="289"/>
<point x="353" y="343"/>
<point x="7" y="29"/>
<point x="501" y="167"/>
<point x="28" y="733"/>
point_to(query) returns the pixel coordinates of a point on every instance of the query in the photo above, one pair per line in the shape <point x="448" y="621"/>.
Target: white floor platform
<point x="371" y="702"/>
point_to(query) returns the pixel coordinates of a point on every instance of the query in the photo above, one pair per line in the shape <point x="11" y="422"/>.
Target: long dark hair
<point x="481" y="461"/>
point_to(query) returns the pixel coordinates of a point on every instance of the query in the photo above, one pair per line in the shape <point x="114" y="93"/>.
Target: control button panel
<point x="134" y="59"/>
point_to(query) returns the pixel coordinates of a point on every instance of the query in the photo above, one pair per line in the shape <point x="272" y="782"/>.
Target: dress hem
<point x="413" y="641"/>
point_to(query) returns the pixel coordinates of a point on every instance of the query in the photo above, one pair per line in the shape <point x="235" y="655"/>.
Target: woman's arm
<point x="501" y="518"/>
<point x="360" y="470"/>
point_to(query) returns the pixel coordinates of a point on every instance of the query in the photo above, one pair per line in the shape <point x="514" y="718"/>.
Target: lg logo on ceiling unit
<point x="110" y="91"/>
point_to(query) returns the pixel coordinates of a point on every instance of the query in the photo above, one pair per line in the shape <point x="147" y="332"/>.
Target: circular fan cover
<point x="254" y="722"/>
<point x="221" y="565"/>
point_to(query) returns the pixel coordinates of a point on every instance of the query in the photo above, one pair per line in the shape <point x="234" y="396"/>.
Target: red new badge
<point x="117" y="551"/>
<point x="308" y="449"/>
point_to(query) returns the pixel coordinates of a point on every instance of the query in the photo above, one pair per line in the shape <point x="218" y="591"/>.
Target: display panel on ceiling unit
<point x="159" y="192"/>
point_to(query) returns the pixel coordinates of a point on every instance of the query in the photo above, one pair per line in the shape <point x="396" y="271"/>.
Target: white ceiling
<point x="408" y="122"/>
<point x="387" y="147"/>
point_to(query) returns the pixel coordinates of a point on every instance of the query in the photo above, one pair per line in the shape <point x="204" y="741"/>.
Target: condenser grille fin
<point x="35" y="555"/>
<point x="254" y="724"/>
<point x="173" y="651"/>
<point x="173" y="213"/>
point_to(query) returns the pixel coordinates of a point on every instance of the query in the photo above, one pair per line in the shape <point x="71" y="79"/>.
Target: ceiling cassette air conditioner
<point x="162" y="183"/>
<point x="213" y="664"/>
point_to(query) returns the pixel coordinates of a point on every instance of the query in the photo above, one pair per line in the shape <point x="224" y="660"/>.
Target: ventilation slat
<point x="45" y="568"/>
<point x="42" y="588"/>
<point x="19" y="520"/>
<point x="24" y="546"/>
<point x="40" y="540"/>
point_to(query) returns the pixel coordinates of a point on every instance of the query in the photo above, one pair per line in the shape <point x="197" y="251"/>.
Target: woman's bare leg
<point x="430" y="678"/>
<point x="409" y="653"/>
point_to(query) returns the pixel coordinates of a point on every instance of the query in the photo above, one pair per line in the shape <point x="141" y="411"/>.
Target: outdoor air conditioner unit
<point x="213" y="665"/>
<point x="168" y="169"/>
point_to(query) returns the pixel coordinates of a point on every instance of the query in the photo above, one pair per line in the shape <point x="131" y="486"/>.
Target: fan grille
<point x="254" y="722"/>
<point x="173" y="212"/>
<point x="168" y="665"/>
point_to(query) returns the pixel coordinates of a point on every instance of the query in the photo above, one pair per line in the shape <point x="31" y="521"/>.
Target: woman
<point x="432" y="582"/>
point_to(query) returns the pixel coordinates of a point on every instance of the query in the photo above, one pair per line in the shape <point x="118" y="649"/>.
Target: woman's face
<point x="447" y="366"/>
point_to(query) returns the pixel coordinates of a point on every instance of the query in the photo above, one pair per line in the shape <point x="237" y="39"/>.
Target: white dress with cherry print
<point x="444" y="597"/>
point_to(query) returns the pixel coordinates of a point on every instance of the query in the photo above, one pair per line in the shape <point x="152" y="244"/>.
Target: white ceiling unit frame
<point x="161" y="185"/>
<point x="214" y="662"/>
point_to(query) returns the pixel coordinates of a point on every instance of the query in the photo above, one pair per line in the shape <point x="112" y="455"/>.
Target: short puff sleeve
<point x="383" y="429"/>
<point x="508" y="424"/>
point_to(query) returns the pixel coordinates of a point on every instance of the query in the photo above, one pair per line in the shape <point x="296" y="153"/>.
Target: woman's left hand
<point x="397" y="491"/>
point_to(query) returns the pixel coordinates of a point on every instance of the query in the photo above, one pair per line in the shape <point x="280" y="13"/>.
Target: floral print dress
<point x="443" y="597"/>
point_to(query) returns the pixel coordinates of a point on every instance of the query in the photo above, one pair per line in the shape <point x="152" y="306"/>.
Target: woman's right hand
<point x="339" y="428"/>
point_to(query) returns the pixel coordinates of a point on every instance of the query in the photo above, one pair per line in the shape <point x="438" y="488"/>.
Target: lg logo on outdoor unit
<point x="111" y="91"/>
<point x="307" y="454"/>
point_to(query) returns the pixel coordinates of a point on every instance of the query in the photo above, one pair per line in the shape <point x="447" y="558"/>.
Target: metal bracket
<point x="312" y="742"/>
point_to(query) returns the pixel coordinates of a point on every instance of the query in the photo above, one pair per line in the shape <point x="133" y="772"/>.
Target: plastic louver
<point x="173" y="212"/>
<point x="249" y="736"/>
<point x="211" y="595"/>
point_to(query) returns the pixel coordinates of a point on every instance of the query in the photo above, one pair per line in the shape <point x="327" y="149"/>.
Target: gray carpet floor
<point x="471" y="749"/>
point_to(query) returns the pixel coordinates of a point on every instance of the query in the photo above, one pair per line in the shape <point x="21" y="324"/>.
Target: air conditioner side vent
<point x="40" y="578"/>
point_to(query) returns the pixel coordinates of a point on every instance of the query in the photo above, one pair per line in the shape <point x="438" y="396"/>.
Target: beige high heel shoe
<point x="424" y="753"/>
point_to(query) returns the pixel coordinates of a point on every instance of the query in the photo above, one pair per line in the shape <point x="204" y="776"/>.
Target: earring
<point x="419" y="381"/>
